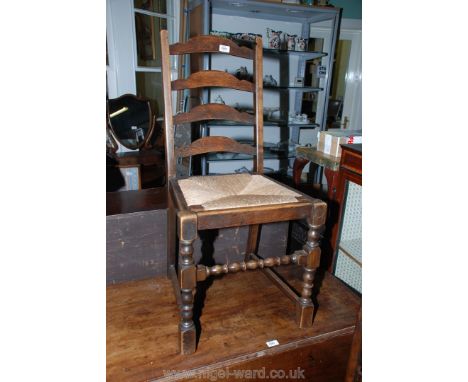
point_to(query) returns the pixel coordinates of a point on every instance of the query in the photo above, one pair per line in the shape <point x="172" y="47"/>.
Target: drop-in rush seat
<point x="221" y="201"/>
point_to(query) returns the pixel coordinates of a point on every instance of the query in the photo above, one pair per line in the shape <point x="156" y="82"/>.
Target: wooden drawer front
<point x="352" y="161"/>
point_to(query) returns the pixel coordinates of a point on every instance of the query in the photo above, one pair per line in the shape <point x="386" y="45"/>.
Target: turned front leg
<point x="305" y="307"/>
<point x="187" y="224"/>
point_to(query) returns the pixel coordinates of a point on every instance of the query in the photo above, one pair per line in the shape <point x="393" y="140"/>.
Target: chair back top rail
<point x="214" y="144"/>
<point x="213" y="111"/>
<point x="211" y="44"/>
<point x="212" y="78"/>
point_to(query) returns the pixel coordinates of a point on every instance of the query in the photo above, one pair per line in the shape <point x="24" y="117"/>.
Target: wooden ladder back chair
<point x="233" y="200"/>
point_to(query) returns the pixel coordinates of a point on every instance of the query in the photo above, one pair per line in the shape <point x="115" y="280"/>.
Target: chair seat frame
<point x="192" y="219"/>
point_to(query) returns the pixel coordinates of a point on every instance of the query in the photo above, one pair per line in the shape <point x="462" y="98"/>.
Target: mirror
<point x="111" y="145"/>
<point x="338" y="85"/>
<point x="131" y="121"/>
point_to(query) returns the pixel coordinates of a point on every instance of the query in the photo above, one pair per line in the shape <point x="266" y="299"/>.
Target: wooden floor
<point x="240" y="313"/>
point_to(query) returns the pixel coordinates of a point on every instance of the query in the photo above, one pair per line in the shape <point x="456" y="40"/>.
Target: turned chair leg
<point x="252" y="241"/>
<point x="187" y="224"/>
<point x="305" y="307"/>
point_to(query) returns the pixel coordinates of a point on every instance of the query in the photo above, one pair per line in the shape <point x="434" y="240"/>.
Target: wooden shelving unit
<point x="206" y="16"/>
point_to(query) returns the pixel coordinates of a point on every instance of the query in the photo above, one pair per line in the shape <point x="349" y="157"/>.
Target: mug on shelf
<point x="220" y="34"/>
<point x="290" y="41"/>
<point x="301" y="44"/>
<point x="274" y="39"/>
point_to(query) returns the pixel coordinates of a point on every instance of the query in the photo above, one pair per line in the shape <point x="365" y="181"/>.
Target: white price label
<point x="224" y="48"/>
<point x="321" y="71"/>
<point x="272" y="343"/>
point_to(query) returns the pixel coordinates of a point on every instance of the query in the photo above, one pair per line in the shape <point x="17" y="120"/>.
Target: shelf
<point x="299" y="88"/>
<point x="307" y="54"/>
<point x="274" y="11"/>
<point x="266" y="155"/>
<point x="319" y="158"/>
<point x="304" y="125"/>
<point x="352" y="248"/>
<point x="293" y="124"/>
<point x="283" y="52"/>
<point x="265" y="124"/>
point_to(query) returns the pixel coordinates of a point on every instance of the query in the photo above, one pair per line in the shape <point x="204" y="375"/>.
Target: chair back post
<point x="168" y="122"/>
<point x="258" y="105"/>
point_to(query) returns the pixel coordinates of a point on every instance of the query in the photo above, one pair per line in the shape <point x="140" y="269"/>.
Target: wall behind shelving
<point x="352" y="9"/>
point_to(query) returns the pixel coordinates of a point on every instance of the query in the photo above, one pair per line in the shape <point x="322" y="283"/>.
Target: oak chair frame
<point x="191" y="219"/>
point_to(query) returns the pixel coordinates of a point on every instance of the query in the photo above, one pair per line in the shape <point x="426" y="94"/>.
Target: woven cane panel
<point x="352" y="217"/>
<point x="234" y="190"/>
<point x="353" y="248"/>
<point x="348" y="271"/>
<point x="350" y="243"/>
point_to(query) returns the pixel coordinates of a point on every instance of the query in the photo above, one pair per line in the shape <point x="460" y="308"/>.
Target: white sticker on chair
<point x="224" y="48"/>
<point x="272" y="343"/>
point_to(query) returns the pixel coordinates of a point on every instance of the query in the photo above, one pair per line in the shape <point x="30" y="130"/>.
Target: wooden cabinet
<point x="134" y="170"/>
<point x="346" y="234"/>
